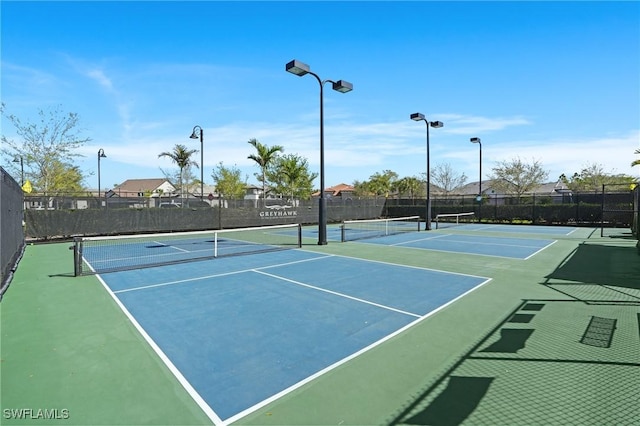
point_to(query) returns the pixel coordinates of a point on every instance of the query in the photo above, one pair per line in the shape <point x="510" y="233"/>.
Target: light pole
<point x="195" y="135"/>
<point x="100" y="155"/>
<point x="298" y="68"/>
<point x="435" y="124"/>
<point x="479" y="198"/>
<point x="20" y="160"/>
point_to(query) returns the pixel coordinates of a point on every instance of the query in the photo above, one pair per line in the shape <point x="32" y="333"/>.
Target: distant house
<point x="158" y="187"/>
<point x="556" y="190"/>
<point x="341" y="190"/>
<point x="209" y="191"/>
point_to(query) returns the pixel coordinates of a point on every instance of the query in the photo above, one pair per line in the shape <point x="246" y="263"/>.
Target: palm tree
<point x="264" y="156"/>
<point x="182" y="157"/>
<point x="291" y="173"/>
<point x="636" y="162"/>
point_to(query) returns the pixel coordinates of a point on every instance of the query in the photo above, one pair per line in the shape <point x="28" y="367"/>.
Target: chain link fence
<point x="132" y="217"/>
<point x="66" y="216"/>
<point x="608" y="209"/>
<point x="12" y="239"/>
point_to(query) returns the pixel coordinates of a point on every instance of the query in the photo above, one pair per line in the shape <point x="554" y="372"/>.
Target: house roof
<point x="207" y="189"/>
<point x="140" y="185"/>
<point x="336" y="190"/>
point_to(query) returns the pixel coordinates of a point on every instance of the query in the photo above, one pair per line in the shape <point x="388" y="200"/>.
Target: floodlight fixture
<point x="342" y="86"/>
<point x="200" y="135"/>
<point x="479" y="197"/>
<point x="101" y="154"/>
<point x="435" y="124"/>
<point x="300" y="68"/>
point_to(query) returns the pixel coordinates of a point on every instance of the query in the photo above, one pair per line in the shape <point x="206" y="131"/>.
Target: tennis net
<point x="370" y="228"/>
<point x="93" y="255"/>
<point x="452" y="219"/>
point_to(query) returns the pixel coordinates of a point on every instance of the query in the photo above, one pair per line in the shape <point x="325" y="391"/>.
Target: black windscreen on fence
<point x="55" y="217"/>
<point x="11" y="231"/>
<point x="636" y="212"/>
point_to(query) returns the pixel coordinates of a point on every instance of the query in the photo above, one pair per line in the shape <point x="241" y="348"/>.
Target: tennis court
<point x="404" y="232"/>
<point x="243" y="330"/>
<point x="362" y="332"/>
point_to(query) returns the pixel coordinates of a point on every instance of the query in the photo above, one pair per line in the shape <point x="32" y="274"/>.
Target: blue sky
<point x="556" y="82"/>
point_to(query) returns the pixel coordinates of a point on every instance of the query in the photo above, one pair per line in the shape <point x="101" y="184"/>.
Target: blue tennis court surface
<point x="243" y="330"/>
<point x="515" y="248"/>
<point x="516" y="229"/>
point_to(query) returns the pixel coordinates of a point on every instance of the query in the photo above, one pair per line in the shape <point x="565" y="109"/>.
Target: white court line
<point x="337" y="364"/>
<point x="165" y="359"/>
<point x="402" y="244"/>
<point x="187" y="280"/>
<point x="421" y="239"/>
<point x="203" y="404"/>
<point x="346" y="296"/>
<point x="411" y="266"/>
<point x="171" y="246"/>
<point x="533" y="254"/>
<point x="494" y="244"/>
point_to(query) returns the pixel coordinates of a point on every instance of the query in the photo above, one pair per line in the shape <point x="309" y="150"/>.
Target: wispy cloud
<point x="99" y="76"/>
<point x="470" y="124"/>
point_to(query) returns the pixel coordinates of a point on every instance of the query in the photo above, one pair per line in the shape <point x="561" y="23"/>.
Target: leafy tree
<point x="411" y="186"/>
<point x="181" y="156"/>
<point x="517" y="177"/>
<point x="48" y="150"/>
<point x="361" y="189"/>
<point x="229" y="183"/>
<point x="292" y="177"/>
<point x="382" y="184"/>
<point x="446" y="178"/>
<point x="592" y="177"/>
<point x="67" y="179"/>
<point x="263" y="157"/>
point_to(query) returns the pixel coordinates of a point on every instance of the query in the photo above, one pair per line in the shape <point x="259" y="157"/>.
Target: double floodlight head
<point x="475" y="140"/>
<point x="420" y="117"/>
<point x="300" y="68"/>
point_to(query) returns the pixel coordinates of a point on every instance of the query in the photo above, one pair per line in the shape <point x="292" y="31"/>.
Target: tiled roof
<point x="140" y="185"/>
<point x="336" y="190"/>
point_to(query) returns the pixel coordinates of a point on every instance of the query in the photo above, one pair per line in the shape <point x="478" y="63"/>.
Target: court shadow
<point x="600" y="264"/>
<point x="455" y="403"/>
<point x="511" y="340"/>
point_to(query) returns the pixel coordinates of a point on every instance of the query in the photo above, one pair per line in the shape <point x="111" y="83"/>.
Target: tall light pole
<point x="479" y="198"/>
<point x="298" y="68"/>
<point x="20" y="160"/>
<point x="100" y="155"/>
<point x="195" y="135"/>
<point x="435" y="124"/>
